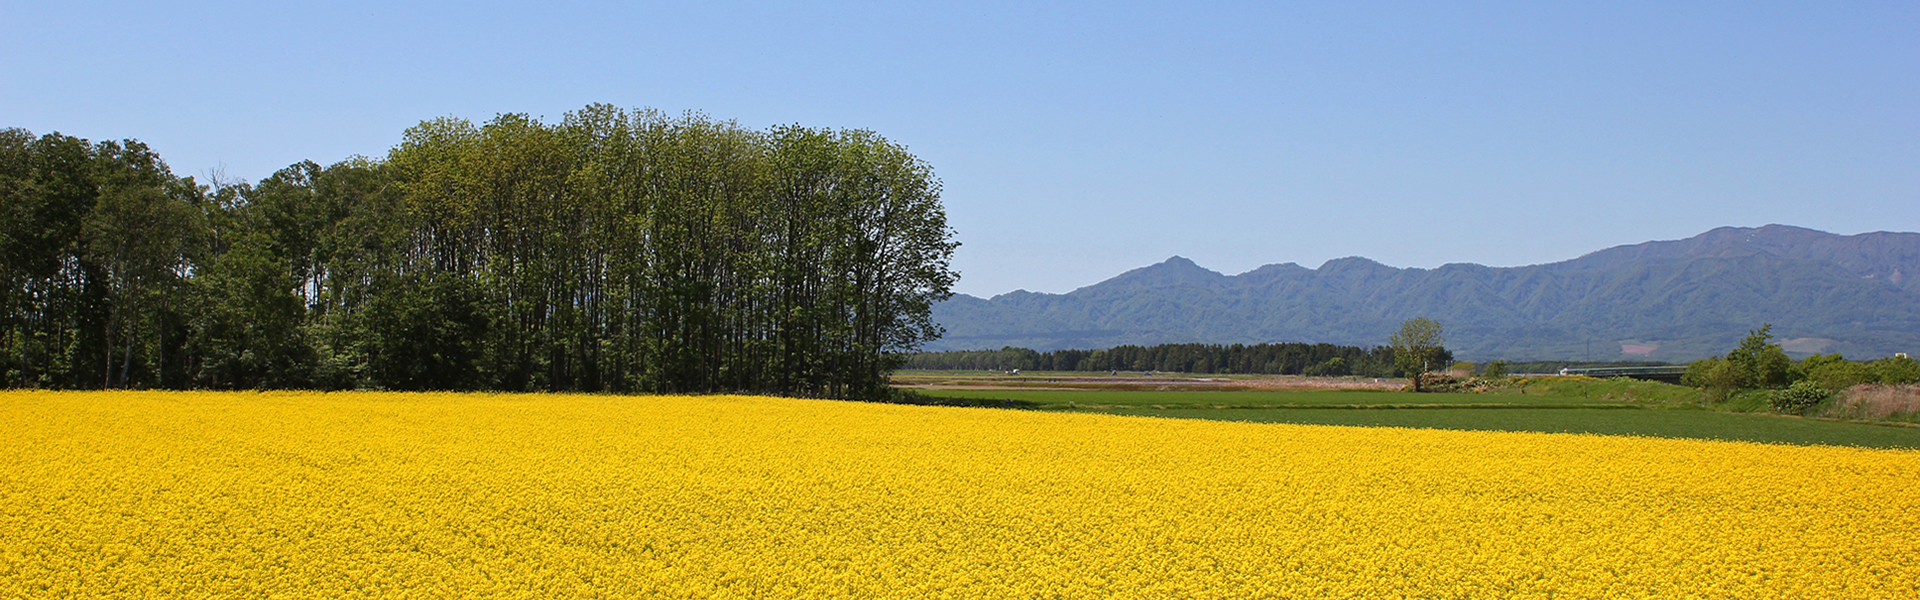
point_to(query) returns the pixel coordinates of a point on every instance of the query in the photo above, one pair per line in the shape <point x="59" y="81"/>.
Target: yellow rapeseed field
<point x="374" y="495"/>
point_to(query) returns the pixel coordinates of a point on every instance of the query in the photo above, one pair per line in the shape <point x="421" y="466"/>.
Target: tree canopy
<point x="1759" y="364"/>
<point x="613" y="251"/>
<point x="1417" y="346"/>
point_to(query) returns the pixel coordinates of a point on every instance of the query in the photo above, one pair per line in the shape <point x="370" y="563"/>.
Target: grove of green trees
<point x="1757" y="364"/>
<point x="613" y="251"/>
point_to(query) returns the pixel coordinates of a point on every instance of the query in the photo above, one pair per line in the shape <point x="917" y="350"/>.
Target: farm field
<point x="1122" y="399"/>
<point x="1651" y="422"/>
<point x="347" y="495"/>
<point x="1551" y="406"/>
<point x="1127" y="380"/>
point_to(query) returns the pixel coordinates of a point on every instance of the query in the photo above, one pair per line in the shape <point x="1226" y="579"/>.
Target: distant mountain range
<point x="1670" y="300"/>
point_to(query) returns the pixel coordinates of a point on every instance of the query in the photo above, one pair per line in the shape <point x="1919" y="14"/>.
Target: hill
<point x="1663" y="300"/>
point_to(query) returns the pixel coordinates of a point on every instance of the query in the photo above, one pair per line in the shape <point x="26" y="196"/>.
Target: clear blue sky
<point x="1078" y="140"/>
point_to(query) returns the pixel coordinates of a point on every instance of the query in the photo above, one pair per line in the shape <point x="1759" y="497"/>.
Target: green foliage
<point x="1495" y="370"/>
<point x="1417" y="346"/>
<point x="1798" y="398"/>
<point x="423" y="327"/>
<point x="1895" y="370"/>
<point x="96" y="243"/>
<point x="1828" y="371"/>
<point x="1334" y="367"/>
<point x="1717" y="377"/>
<point x="1755" y="364"/>
<point x="614" y="251"/>
<point x="1759" y="363"/>
<point x="246" y="332"/>
<point x="1833" y="372"/>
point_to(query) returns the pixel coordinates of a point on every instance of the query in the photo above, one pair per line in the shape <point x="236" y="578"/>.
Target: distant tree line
<point x="613" y="251"/>
<point x="1275" y="359"/>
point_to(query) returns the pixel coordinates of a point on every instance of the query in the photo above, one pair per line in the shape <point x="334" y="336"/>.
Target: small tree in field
<point x="1760" y="363"/>
<point x="1416" y="347"/>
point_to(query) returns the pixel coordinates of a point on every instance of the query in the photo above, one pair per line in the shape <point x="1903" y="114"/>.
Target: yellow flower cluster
<point x="373" y="495"/>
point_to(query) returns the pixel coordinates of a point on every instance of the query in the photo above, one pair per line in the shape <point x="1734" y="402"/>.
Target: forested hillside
<point x="1667" y="301"/>
<point x="613" y="251"/>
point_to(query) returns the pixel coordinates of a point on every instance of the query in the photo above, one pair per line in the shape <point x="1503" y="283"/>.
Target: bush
<point x="1334" y="367"/>
<point x="1757" y="364"/>
<point x="1895" y="370"/>
<point x="1834" y="372"/>
<point x="1717" y="377"/>
<point x="1760" y="364"/>
<point x="1798" y="398"/>
<point x="1495" y="370"/>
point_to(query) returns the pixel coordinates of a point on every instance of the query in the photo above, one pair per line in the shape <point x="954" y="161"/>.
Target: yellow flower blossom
<point x="383" y="495"/>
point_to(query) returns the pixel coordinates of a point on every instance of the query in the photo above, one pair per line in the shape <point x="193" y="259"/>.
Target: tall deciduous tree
<point x="144" y="231"/>
<point x="97" y="243"/>
<point x="1760" y="363"/>
<point x="55" y="295"/>
<point x="1417" y="346"/>
<point x="613" y="251"/>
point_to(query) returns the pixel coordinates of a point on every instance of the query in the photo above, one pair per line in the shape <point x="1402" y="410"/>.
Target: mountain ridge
<point x="1673" y="300"/>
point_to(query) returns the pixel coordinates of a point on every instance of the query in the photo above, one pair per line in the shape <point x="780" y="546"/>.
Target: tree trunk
<point x="106" y="343"/>
<point x="126" y="363"/>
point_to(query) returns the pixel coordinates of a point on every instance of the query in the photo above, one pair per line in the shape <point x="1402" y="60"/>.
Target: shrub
<point x="1757" y="364"/>
<point x="1717" y="377"/>
<point x="1834" y="372"/>
<point x="1798" y="398"/>
<point x="1760" y="364"/>
<point x="1334" y="367"/>
<point x="1895" y="370"/>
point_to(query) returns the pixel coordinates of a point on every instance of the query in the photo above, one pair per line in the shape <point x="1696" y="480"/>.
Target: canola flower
<point x="377" y="495"/>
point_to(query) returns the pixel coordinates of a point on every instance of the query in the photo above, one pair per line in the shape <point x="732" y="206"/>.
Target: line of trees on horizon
<point x="614" y="251"/>
<point x="1290" y="358"/>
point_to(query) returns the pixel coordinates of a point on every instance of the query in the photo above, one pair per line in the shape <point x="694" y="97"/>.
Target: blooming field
<point x="539" y="496"/>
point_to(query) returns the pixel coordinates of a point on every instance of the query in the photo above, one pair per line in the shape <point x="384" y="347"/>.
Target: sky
<point x="1078" y="140"/>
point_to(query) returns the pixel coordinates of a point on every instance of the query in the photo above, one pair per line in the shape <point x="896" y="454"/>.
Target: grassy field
<point x="386" y="495"/>
<point x="1669" y="423"/>
<point x="1121" y="399"/>
<point x="1548" y="405"/>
